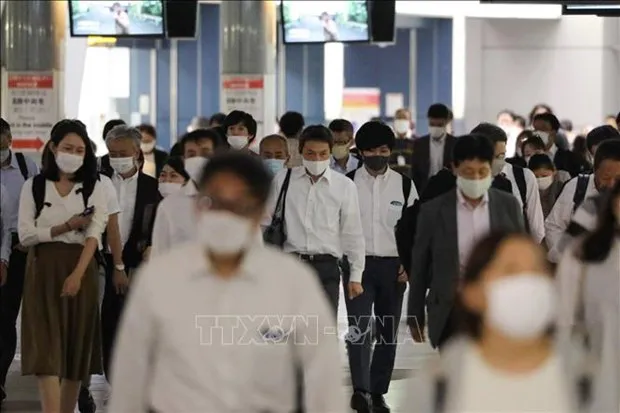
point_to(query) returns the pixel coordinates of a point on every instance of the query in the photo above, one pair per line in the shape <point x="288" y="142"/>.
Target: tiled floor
<point x="23" y="398"/>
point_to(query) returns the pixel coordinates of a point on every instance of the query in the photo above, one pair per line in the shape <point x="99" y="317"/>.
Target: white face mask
<point x="122" y="165"/>
<point x="169" y="188"/>
<point x="401" y="126"/>
<point x="223" y="232"/>
<point x="497" y="166"/>
<point x="68" y="162"/>
<point x="194" y="167"/>
<point x="238" y="142"/>
<point x="147" y="147"/>
<point x="474" y="188"/>
<point x="544" y="136"/>
<point x="521" y="306"/>
<point x="340" y="151"/>
<point x="545" y="182"/>
<point x="4" y="155"/>
<point x="316" y="168"/>
<point x="436" y="132"/>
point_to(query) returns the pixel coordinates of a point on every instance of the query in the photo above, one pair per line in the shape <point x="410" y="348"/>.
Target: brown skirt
<point x="60" y="335"/>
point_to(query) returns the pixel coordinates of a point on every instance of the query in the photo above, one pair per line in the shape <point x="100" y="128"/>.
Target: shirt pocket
<point x="394" y="212"/>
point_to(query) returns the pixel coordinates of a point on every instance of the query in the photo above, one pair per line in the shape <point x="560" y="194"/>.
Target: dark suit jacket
<point x="421" y="159"/>
<point x="435" y="265"/>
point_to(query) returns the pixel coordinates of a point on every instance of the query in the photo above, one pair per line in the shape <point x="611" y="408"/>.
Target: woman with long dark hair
<point x="589" y="284"/>
<point x="505" y="358"/>
<point x="62" y="214"/>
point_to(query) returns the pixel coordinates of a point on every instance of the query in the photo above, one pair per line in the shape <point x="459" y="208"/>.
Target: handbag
<point x="275" y="233"/>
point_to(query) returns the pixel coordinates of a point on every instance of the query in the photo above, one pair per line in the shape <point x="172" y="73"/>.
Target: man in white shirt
<point x="322" y="215"/>
<point x="174" y="222"/>
<point x="223" y="324"/>
<point x="523" y="181"/>
<point x="606" y="173"/>
<point x="382" y="198"/>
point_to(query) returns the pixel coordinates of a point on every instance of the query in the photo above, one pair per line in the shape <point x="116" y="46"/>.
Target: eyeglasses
<point x="243" y="209"/>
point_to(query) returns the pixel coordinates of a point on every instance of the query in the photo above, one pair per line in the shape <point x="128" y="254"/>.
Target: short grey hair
<point x="124" y="132"/>
<point x="199" y="122"/>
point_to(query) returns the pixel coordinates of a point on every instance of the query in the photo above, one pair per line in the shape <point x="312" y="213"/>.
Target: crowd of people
<point x="222" y="263"/>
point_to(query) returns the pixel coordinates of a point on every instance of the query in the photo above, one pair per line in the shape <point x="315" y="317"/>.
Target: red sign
<point x="32" y="144"/>
<point x="243" y="83"/>
<point x="31" y="82"/>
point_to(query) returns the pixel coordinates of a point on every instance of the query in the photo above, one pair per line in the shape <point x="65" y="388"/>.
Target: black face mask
<point x="376" y="162"/>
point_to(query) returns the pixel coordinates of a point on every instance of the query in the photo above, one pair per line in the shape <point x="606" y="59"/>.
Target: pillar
<point x="31" y="35"/>
<point x="248" y="60"/>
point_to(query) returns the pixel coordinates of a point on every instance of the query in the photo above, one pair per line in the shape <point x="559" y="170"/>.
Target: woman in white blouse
<point x="62" y="214"/>
<point x="506" y="360"/>
<point x="588" y="278"/>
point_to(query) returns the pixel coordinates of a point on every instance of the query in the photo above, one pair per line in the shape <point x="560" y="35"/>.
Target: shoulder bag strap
<point x="21" y="162"/>
<point x="406" y="191"/>
<point x="281" y="204"/>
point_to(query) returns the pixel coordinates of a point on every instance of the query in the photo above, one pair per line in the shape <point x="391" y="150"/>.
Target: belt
<point x="376" y="257"/>
<point x="316" y="257"/>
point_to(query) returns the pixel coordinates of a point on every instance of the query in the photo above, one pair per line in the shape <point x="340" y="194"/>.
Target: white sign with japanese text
<point x="246" y="93"/>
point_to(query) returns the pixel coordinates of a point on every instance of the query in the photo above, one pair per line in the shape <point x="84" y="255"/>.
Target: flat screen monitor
<point x="600" y="9"/>
<point x="117" y="18"/>
<point x="325" y="21"/>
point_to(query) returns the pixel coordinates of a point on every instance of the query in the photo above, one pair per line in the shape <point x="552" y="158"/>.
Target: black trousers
<point x="328" y="271"/>
<point x="383" y="291"/>
<point x="10" y="302"/>
<point x="111" y="310"/>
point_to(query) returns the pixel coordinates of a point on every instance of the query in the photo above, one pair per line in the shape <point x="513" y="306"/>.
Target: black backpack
<point x="405" y="227"/>
<point x="580" y="190"/>
<point x="38" y="194"/>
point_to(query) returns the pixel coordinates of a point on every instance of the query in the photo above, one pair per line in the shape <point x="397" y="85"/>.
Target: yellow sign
<point x="100" y="41"/>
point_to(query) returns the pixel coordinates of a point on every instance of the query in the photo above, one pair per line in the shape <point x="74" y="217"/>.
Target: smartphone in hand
<point x="88" y="211"/>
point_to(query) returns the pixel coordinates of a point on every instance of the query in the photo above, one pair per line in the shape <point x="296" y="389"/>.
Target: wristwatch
<point x="119" y="267"/>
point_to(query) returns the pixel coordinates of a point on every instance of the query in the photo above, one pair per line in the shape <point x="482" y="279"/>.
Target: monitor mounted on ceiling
<point x="306" y="22"/>
<point x="117" y="18"/>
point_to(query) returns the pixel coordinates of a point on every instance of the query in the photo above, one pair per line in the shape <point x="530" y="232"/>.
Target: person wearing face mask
<point x="138" y="197"/>
<point x="432" y="152"/>
<point x="154" y="158"/>
<point x="231" y="274"/>
<point x="383" y="196"/>
<point x="522" y="181"/>
<point x="322" y="215"/>
<point x="505" y="358"/>
<point x="174" y="223"/>
<point x="400" y="161"/>
<point x="447" y="228"/>
<point x="550" y="180"/>
<point x="342" y="160"/>
<point x="62" y="214"/>
<point x="547" y="125"/>
<point x="273" y="150"/>
<point x="588" y="280"/>
<point x="173" y="176"/>
<point x="575" y="211"/>
<point x="15" y="169"/>
<point x="240" y="130"/>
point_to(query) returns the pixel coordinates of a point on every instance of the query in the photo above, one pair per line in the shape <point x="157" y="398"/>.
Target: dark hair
<point x="535" y="109"/>
<point x="618" y="120"/>
<point x="87" y="174"/>
<point x="176" y="163"/>
<point x="111" y="124"/>
<point x="567" y="125"/>
<point x="541" y="161"/>
<point x="439" y="111"/>
<point x="291" y="124"/>
<point x="580" y="146"/>
<point x="608" y="150"/>
<point x="5" y="128"/>
<point x="533" y="140"/>
<point x="493" y="132"/>
<point x="317" y="133"/>
<point x="520" y="120"/>
<point x="342" y="125"/>
<point x="374" y="134"/>
<point x="483" y="254"/>
<point x="217" y="118"/>
<point x="248" y="168"/>
<point x="202" y="134"/>
<point x="240" y="117"/>
<point x="45" y="154"/>
<point x="597" y="245"/>
<point x="469" y="147"/>
<point x="600" y="134"/>
<point x="148" y="129"/>
<point x="549" y="118"/>
<point x="177" y="149"/>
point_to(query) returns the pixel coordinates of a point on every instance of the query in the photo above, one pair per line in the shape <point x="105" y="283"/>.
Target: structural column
<point x="31" y="35"/>
<point x="248" y="60"/>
